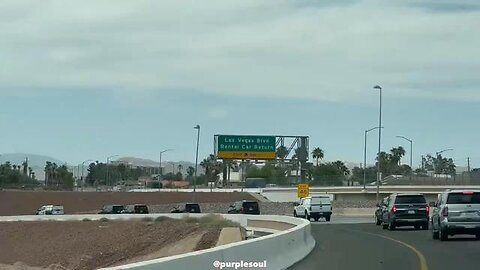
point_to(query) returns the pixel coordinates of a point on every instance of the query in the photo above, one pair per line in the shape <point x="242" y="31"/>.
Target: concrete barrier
<point x="279" y="250"/>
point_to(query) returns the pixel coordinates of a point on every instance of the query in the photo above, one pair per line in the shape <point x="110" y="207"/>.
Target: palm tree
<point x="180" y="167"/>
<point x="282" y="152"/>
<point x="397" y="154"/>
<point x="317" y="154"/>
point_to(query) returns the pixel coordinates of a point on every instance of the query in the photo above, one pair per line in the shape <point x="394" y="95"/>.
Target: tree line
<point x="17" y="176"/>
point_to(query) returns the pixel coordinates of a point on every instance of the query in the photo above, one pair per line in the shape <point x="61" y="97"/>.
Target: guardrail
<point x="280" y="250"/>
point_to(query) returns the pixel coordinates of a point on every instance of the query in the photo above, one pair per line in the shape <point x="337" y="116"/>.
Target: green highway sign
<point x="245" y="147"/>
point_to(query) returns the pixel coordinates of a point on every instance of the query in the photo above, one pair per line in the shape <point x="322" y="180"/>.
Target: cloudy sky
<point x="88" y="79"/>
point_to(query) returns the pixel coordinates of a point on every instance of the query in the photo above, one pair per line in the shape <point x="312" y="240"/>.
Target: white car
<point x="51" y="210"/>
<point x="314" y="207"/>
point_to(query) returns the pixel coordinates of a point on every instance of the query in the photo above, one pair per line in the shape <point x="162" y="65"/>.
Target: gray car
<point x="456" y="212"/>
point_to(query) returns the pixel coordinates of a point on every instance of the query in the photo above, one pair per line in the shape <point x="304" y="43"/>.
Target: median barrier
<point x="280" y="249"/>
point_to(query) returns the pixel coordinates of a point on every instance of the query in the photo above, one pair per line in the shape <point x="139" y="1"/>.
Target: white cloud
<point x="247" y="48"/>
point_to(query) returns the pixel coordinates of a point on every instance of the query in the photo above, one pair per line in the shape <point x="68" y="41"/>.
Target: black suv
<point x="406" y="210"/>
<point x="244" y="207"/>
<point x="187" y="208"/>
<point x="112" y="209"/>
<point x="135" y="209"/>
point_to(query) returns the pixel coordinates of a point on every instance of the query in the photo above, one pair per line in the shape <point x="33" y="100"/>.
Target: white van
<point x="51" y="210"/>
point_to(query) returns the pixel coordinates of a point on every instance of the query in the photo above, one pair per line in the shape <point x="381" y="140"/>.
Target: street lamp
<point x="197" y="127"/>
<point x="365" y="156"/>
<point x="445" y="150"/>
<point x="411" y="152"/>
<point x="108" y="161"/>
<point x="160" y="171"/>
<point x="379" y="174"/>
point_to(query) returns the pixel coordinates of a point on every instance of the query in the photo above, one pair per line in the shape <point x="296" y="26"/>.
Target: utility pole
<point x="468" y="164"/>
<point x="379" y="173"/>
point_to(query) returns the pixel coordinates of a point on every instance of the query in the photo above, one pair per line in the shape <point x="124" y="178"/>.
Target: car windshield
<point x="192" y="208"/>
<point x="141" y="208"/>
<point x="250" y="205"/>
<point x="464" y="198"/>
<point x="410" y="199"/>
<point x="321" y="200"/>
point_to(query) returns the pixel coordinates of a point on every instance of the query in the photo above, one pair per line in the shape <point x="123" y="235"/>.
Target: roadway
<point x="344" y="244"/>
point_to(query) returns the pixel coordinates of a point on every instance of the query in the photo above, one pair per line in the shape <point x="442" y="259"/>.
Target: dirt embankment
<point x="26" y="203"/>
<point x="95" y="244"/>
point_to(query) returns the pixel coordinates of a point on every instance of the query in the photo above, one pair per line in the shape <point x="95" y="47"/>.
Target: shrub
<point x="163" y="218"/>
<point x="86" y="219"/>
<point x="104" y="219"/>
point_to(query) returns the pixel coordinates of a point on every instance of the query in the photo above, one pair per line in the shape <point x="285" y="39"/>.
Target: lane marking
<point x="421" y="258"/>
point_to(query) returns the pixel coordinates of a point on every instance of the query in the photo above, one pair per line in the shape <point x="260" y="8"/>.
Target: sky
<point x="90" y="79"/>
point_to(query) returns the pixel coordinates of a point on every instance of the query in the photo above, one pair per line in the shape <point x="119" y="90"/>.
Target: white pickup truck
<point x="314" y="207"/>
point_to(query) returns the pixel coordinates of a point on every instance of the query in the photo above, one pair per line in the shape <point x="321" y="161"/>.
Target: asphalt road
<point x="344" y="245"/>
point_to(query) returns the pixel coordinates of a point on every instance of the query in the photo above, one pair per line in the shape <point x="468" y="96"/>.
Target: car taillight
<point x="468" y="193"/>
<point x="445" y="212"/>
<point x="427" y="210"/>
<point x="394" y="210"/>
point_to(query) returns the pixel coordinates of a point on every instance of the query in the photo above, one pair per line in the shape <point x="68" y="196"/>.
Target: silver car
<point x="456" y="212"/>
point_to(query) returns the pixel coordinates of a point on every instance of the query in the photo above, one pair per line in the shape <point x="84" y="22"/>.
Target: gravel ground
<point x="266" y="208"/>
<point x="92" y="244"/>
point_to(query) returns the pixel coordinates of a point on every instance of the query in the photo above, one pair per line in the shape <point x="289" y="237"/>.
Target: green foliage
<point x="11" y="176"/>
<point x="270" y="172"/>
<point x="97" y="173"/>
<point x="439" y="164"/>
<point x="212" y="168"/>
<point x="390" y="162"/>
<point x="282" y="152"/>
<point x="58" y="177"/>
<point x="330" y="174"/>
<point x="318" y="154"/>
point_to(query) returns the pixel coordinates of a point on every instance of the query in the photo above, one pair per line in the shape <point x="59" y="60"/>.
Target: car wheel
<point x="425" y="226"/>
<point x="295" y="214"/>
<point x="435" y="234"/>
<point x="378" y="222"/>
<point x="307" y="217"/>
<point x="443" y="234"/>
<point x="391" y="226"/>
<point x="327" y="218"/>
<point x="316" y="219"/>
<point x="477" y="236"/>
<point x="417" y="227"/>
<point x="384" y="226"/>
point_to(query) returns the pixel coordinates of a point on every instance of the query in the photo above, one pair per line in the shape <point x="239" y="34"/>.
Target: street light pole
<point x="83" y="168"/>
<point x="379" y="173"/>
<point x="411" y="151"/>
<point x="365" y="157"/>
<point x="197" y="127"/>
<point x="160" y="167"/>
<point x="108" y="161"/>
